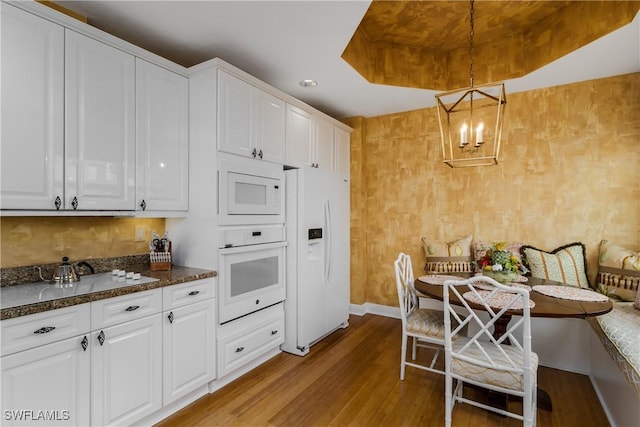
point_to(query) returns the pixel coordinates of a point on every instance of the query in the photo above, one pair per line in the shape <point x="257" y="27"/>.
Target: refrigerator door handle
<point x="327" y="259"/>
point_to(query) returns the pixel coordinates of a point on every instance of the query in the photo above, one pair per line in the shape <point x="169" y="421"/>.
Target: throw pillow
<point x="618" y="271"/>
<point x="448" y="257"/>
<point x="566" y="264"/>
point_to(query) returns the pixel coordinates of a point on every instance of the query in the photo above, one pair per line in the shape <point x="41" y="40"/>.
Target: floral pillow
<point x="480" y="249"/>
<point x="618" y="271"/>
<point x="448" y="257"/>
<point x="566" y="264"/>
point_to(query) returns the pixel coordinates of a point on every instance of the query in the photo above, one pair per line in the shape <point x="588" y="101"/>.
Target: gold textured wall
<point x="42" y="240"/>
<point x="569" y="171"/>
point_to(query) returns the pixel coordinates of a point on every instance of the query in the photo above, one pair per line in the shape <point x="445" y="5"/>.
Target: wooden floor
<point x="351" y="378"/>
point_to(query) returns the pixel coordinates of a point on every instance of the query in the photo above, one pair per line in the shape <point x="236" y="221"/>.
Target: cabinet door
<point x="100" y="126"/>
<point x="342" y="144"/>
<point x="270" y="127"/>
<point x="32" y="111"/>
<point x="54" y="379"/>
<point x="162" y="143"/>
<point x="299" y="134"/>
<point x="188" y="360"/>
<point x="235" y="98"/>
<point x="126" y="371"/>
<point x="323" y="143"/>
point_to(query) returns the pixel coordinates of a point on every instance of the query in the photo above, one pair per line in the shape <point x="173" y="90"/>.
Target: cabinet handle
<point x="254" y="153"/>
<point x="58" y="203"/>
<point x="84" y="343"/>
<point x="260" y="154"/>
<point x="44" y="330"/>
<point x="192" y="293"/>
<point x="239" y="349"/>
<point x="274" y="332"/>
<point x="170" y="317"/>
<point x="101" y="337"/>
<point x="143" y="205"/>
<point x="132" y="308"/>
<point x="257" y="301"/>
<point x="74" y="203"/>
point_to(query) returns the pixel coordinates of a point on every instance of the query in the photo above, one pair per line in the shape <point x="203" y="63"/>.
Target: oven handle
<point x="252" y="248"/>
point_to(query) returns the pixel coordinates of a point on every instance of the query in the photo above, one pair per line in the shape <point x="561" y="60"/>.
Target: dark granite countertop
<point x="175" y="276"/>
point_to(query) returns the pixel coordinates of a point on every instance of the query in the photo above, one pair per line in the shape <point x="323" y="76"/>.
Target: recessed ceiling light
<point x="308" y="83"/>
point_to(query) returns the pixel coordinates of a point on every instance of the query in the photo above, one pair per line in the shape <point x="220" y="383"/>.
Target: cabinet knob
<point x="239" y="349"/>
<point x="143" y="205"/>
<point x="58" y="203"/>
<point x="84" y="343"/>
<point x="254" y="153"/>
<point x="192" y="293"/>
<point x="44" y="330"/>
<point x="260" y="154"/>
<point x="170" y="317"/>
<point x="274" y="332"/>
<point x="132" y="308"/>
<point x="101" y="337"/>
<point x="74" y="203"/>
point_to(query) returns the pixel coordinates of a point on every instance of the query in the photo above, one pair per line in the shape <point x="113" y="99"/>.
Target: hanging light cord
<point x="471" y="43"/>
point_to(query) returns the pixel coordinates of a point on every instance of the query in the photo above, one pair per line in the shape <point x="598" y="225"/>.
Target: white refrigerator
<point x="318" y="253"/>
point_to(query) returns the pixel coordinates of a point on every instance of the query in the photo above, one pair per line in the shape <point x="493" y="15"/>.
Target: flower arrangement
<point x="498" y="258"/>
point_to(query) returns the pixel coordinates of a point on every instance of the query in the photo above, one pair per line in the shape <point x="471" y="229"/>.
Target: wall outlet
<point x="140" y="234"/>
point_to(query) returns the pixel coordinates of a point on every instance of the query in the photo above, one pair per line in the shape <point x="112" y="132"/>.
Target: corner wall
<point x="569" y="171"/>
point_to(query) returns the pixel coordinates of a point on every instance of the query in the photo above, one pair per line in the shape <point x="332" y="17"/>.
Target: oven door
<point x="250" y="279"/>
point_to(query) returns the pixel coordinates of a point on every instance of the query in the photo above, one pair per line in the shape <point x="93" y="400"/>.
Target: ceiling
<point x="283" y="42"/>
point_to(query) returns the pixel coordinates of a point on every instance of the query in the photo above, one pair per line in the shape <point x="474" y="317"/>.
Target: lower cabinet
<point x="126" y="371"/>
<point x="188" y="349"/>
<point x="243" y="340"/>
<point x="48" y="385"/>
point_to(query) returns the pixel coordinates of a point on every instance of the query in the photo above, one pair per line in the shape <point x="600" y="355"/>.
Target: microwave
<point x="249" y="191"/>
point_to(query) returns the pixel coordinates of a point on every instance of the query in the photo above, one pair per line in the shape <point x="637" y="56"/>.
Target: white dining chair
<point x="424" y="326"/>
<point x="482" y="359"/>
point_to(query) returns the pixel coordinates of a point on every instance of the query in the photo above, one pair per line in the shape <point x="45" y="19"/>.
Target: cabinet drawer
<point x="187" y="293"/>
<point x="112" y="311"/>
<point x="33" y="330"/>
<point x="248" y="343"/>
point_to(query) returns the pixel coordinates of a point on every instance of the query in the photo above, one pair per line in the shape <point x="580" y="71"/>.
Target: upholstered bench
<point x="619" y="333"/>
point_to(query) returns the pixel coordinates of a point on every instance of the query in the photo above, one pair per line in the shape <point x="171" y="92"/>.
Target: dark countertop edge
<point x="175" y="276"/>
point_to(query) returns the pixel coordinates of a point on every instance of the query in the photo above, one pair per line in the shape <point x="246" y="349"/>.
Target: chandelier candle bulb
<point x="463" y="135"/>
<point x="480" y="134"/>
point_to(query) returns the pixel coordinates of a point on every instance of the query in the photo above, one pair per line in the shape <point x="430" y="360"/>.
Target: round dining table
<point x="545" y="306"/>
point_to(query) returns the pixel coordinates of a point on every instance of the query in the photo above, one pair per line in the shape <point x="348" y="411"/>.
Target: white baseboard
<point x="370" y="308"/>
<point x="173" y="407"/>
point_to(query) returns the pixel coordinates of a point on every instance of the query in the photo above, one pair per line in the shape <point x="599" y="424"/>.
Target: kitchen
<point x="88" y="238"/>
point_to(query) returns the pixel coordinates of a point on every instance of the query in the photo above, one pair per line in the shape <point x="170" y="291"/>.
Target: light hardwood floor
<point x="351" y="378"/>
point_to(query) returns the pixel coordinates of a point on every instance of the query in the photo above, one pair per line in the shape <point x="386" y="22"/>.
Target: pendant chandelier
<point x="471" y="119"/>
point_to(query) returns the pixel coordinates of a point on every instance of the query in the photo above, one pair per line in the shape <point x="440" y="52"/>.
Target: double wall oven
<point x="251" y="237"/>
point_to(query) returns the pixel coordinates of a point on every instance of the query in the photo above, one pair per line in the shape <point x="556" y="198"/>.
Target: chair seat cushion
<point x="488" y="375"/>
<point x="426" y="322"/>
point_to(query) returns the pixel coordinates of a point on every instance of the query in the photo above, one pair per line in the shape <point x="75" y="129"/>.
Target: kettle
<point x="65" y="273"/>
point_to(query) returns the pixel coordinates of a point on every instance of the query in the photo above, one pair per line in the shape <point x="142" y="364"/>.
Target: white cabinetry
<point x="45" y="368"/>
<point x="126" y="359"/>
<point x="162" y="139"/>
<point x="311" y="141"/>
<point x="251" y="122"/>
<point x="342" y="150"/>
<point x="188" y="338"/>
<point x="99" y="125"/>
<point x="32" y="147"/>
<point x="247" y="338"/>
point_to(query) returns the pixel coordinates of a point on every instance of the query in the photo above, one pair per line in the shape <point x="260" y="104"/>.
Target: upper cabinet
<point x="312" y="140"/>
<point x="99" y="125"/>
<point x="251" y="122"/>
<point x="342" y="150"/>
<point x="32" y="146"/>
<point x="162" y="139"/>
